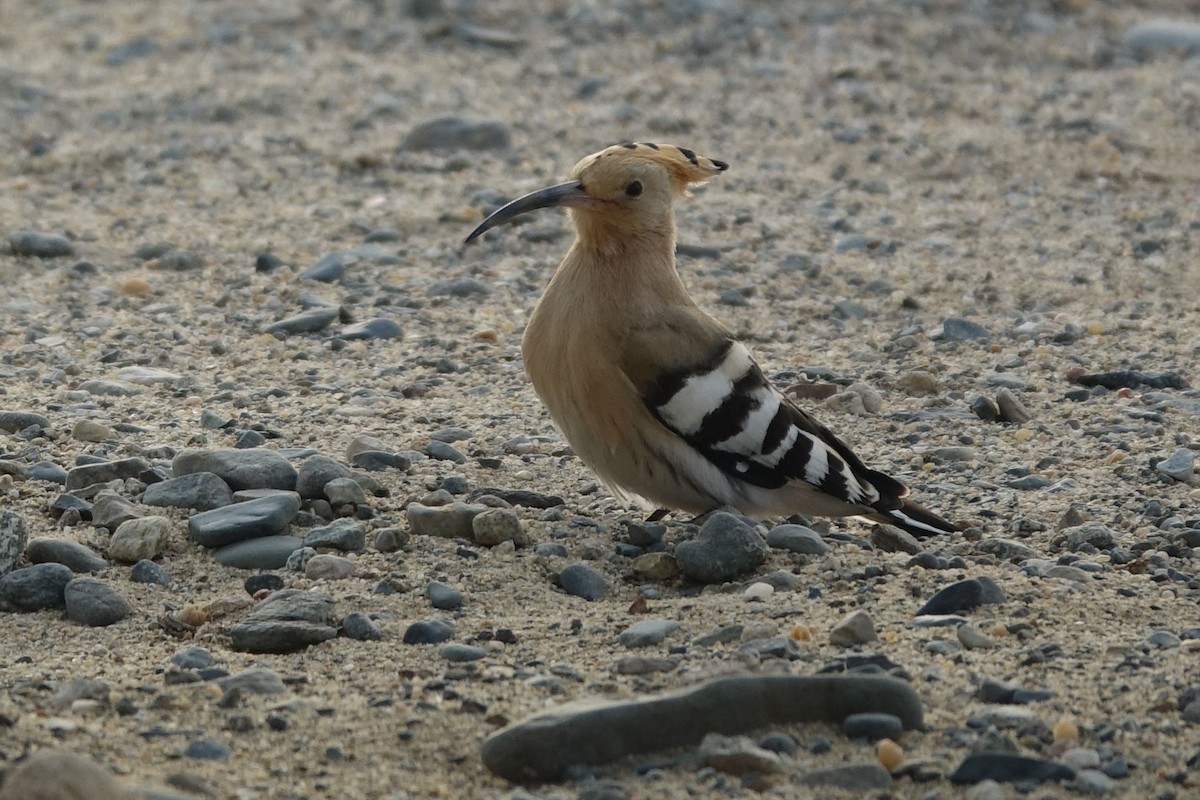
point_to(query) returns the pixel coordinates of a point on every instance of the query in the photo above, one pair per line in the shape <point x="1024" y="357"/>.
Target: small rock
<point x="657" y="567"/>
<point x="454" y="521"/>
<point x="317" y="471"/>
<point x="849" y="777"/>
<point x="737" y="755"/>
<point x="264" y="516"/>
<point x="35" y="588"/>
<point x="917" y="383"/>
<point x="461" y="653"/>
<point x="240" y="469"/>
<point x="376" y="328"/>
<point x="287" y="621"/>
<point x="257" y="680"/>
<point x="137" y="539"/>
<point x="797" y="539"/>
<point x="956" y="329"/>
<point x="330" y="568"/>
<point x="40" y="245"/>
<point x="443" y="597"/>
<point x="64" y="551"/>
<point x="1009" y="768"/>
<point x="581" y="580"/>
<point x="972" y="638"/>
<point x="454" y="133"/>
<point x="298" y="560"/>
<point x="855" y="628"/>
<point x="106" y="471"/>
<point x="390" y="540"/>
<point x="147" y="571"/>
<point x="1012" y="410"/>
<point x="986" y="409"/>
<point x="428" y="631"/>
<point x="328" y="268"/>
<point x="872" y="726"/>
<point x="111" y="510"/>
<point x="206" y="750"/>
<point x="1094" y="782"/>
<point x="60" y="775"/>
<point x="342" y="534"/>
<point x="85" y="430"/>
<point x="14" y="536"/>
<point x="202" y="491"/>
<point x="891" y="539"/>
<point x="725" y="548"/>
<point x="90" y="602"/>
<point x="1180" y="465"/>
<point x="964" y="595"/>
<point x="759" y="591"/>
<point x="444" y="452"/>
<point x="310" y="321"/>
<point x="1164" y="36"/>
<point x="1089" y="534"/>
<point x="647" y="633"/>
<point x="263" y="552"/>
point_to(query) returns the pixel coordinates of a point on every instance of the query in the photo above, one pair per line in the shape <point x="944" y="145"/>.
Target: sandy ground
<point x="1007" y="163"/>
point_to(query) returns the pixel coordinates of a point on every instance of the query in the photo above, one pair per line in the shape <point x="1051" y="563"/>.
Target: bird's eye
<point x="634" y="189"/>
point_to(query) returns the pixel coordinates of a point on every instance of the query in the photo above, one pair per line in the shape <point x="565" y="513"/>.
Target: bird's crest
<point x="683" y="166"/>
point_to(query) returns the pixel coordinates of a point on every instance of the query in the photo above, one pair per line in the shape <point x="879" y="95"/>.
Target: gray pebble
<point x="263" y="552"/>
<point x="329" y="567"/>
<point x="956" y="329"/>
<point x="457" y="133"/>
<point x="797" y="539"/>
<point x="202" y="491"/>
<point x="580" y="580"/>
<point x="443" y="597"/>
<point x="64" y="551"/>
<point x="14" y="536"/>
<point x="545" y="746"/>
<point x="317" y="471"/>
<point x="1012" y="410"/>
<point x="1006" y="549"/>
<point x="460" y="653"/>
<point x="241" y="469"/>
<point x="111" y="510"/>
<point x="1029" y="483"/>
<point x="249" y="440"/>
<point x="1094" y="782"/>
<point x="265" y="516"/>
<point x="310" y="321"/>
<point x="328" y="268"/>
<point x="358" y="626"/>
<point x="891" y="539"/>
<point x="647" y="632"/>
<point x="35" y="588"/>
<point x="105" y="471"/>
<point x="872" y="726"/>
<point x="390" y="540"/>
<point x="1163" y="640"/>
<point x="1090" y="534"/>
<point x="41" y="245"/>
<point x="17" y="421"/>
<point x="147" y="571"/>
<point x="726" y="547"/>
<point x="856" y="627"/>
<point x="963" y="595"/>
<point x="256" y="680"/>
<point x="46" y="471"/>
<point x="341" y="492"/>
<point x="737" y="755"/>
<point x="1164" y="36"/>
<point x="778" y="742"/>
<point x="849" y="777"/>
<point x="141" y="538"/>
<point x="1180" y="465"/>
<point x="1009" y="768"/>
<point x="287" y="621"/>
<point x="454" y="521"/>
<point x="343" y="534"/>
<point x="376" y="328"/>
<point x="191" y="657"/>
<point x="379" y="460"/>
<point x="90" y="602"/>
<point x="496" y="525"/>
<point x="298" y="560"/>
<point x="445" y="452"/>
<point x="56" y="774"/>
<point x="428" y="631"/>
<point x="458" y="287"/>
<point x="206" y="750"/>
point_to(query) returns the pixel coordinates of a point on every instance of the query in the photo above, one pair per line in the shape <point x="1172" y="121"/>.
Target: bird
<point x="654" y="395"/>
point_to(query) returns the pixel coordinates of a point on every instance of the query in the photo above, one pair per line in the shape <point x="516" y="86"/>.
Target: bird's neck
<point x="623" y="269"/>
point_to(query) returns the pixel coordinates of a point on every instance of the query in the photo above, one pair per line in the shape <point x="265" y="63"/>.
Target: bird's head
<point x="626" y="188"/>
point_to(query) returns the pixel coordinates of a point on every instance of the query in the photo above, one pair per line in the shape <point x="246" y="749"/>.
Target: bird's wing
<point x="709" y="391"/>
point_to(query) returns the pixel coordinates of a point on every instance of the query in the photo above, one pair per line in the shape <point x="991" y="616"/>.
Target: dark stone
<point x="202" y="491"/>
<point x="266" y="580"/>
<point x="41" y="245"/>
<point x="105" y="471"/>
<point x="726" y="547"/>
<point x="35" y="588"/>
<point x="262" y="552"/>
<point x="146" y="571"/>
<point x="964" y="595"/>
<point x="265" y="516"/>
<point x="357" y="625"/>
<point x="287" y="621"/>
<point x="454" y="133"/>
<point x="581" y="580"/>
<point x="428" y="631"/>
<point x="66" y="552"/>
<point x="872" y="726"/>
<point x="1009" y="768"/>
<point x="241" y="469"/>
<point x="90" y="602"/>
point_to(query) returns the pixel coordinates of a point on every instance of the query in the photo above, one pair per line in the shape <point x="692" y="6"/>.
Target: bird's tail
<point x="915" y="519"/>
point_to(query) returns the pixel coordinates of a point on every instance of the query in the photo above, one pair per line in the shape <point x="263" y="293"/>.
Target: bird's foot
<point x="657" y="515"/>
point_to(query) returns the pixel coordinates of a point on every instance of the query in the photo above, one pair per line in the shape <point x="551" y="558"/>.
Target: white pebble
<point x="758" y="591"/>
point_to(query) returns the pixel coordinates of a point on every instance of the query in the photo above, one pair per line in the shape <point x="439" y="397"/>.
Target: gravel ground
<point x="252" y="216"/>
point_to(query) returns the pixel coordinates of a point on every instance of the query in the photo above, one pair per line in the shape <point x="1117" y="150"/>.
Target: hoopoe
<point x="655" y="395"/>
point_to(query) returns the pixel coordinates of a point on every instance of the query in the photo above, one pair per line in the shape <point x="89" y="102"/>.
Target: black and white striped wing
<point x="725" y="408"/>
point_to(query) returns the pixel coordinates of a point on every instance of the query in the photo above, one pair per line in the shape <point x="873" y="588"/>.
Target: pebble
<point x="849" y="777"/>
<point x="192" y="657"/>
<point x="759" y="591"/>
<point x="972" y="638"/>
<point x="328" y="268"/>
<point x="93" y="603"/>
<point x="264" y="516"/>
<point x="148" y="376"/>
<point x="657" y="567"/>
<point x="342" y="534"/>
<point x="256" y="680"/>
<point x="17" y="421"/>
<point x="46" y="471"/>
<point x="310" y="321"/>
<point x="390" y="540"/>
<point x="1006" y="549"/>
<point x="35" y="588"/>
<point x="262" y="582"/>
<point x="1094" y="782"/>
<point x="443" y="597"/>
<point x="202" y="491"/>
<point x="545" y="746"/>
<point x="461" y="653"/>
<point x="375" y="328"/>
<point x="85" y="430"/>
<point x="647" y="632"/>
<point x="1012" y="410"/>
<point x="986" y="409"/>
<point x="64" y="551"/>
<point x="14" y="537"/>
<point x="956" y="329"/>
<point x="147" y="571"/>
<point x="726" y="547"/>
<point x="797" y="539"/>
<point x="458" y="287"/>
<point x="1009" y="768"/>
<point x="1029" y="483"/>
<point x="457" y="133"/>
<point x="111" y="510"/>
<point x="428" y="631"/>
<point x="316" y="472"/>
<point x="737" y="755"/>
<point x="328" y="567"/>
<point x="60" y="775"/>
<point x="141" y="538"/>
<point x="1065" y="730"/>
<point x="105" y="471"/>
<point x="1180" y="465"/>
<point x="241" y="469"/>
<point x="856" y="627"/>
<point x="986" y="789"/>
<point x="358" y="626"/>
<point x="39" y="244"/>
<point x="872" y="726"/>
<point x="299" y="558"/>
<point x="778" y="742"/>
<point x="206" y="750"/>
<point x="1081" y="758"/>
<point x="445" y="452"/>
<point x="963" y="595"/>
<point x="287" y="621"/>
<point x="580" y="580"/>
<point x="891" y="539"/>
<point x="889" y="754"/>
<point x="1164" y="36"/>
<point x="454" y="521"/>
<point x="496" y="525"/>
<point x="1095" y="535"/>
<point x="263" y="552"/>
<point x="379" y="460"/>
<point x="917" y="383"/>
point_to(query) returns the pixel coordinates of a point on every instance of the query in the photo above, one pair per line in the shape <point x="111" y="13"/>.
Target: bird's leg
<point x="703" y="518"/>
<point x="657" y="515"/>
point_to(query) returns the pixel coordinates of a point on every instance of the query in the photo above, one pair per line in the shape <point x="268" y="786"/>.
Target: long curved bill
<point x="569" y="194"/>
